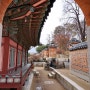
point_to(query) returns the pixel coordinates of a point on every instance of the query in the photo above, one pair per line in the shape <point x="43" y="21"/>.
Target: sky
<point x="52" y="21"/>
<point x="32" y="50"/>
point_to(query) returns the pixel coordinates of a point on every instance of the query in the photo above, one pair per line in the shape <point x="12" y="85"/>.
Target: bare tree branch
<point x="73" y="9"/>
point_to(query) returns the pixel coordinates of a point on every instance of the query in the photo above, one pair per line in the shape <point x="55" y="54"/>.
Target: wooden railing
<point x="18" y="76"/>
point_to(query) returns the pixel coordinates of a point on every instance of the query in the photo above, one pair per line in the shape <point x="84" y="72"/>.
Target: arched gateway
<point x="21" y="22"/>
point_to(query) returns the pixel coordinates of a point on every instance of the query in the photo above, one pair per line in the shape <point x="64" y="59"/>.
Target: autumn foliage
<point x="61" y="39"/>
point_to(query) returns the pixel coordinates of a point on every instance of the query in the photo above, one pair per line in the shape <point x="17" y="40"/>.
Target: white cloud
<point x="52" y="21"/>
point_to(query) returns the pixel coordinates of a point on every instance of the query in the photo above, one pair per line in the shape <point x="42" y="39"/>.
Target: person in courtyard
<point x="53" y="63"/>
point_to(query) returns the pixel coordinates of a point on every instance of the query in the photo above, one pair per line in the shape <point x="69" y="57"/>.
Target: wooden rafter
<point x="27" y="29"/>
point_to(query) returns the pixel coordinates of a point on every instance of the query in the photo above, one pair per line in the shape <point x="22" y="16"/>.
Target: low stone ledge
<point x="66" y="82"/>
<point x="28" y="83"/>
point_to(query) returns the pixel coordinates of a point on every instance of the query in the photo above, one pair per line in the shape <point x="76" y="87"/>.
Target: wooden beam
<point x="34" y="5"/>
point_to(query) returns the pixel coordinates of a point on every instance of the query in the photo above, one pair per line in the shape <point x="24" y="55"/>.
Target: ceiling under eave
<point x="23" y="25"/>
<point x="45" y="17"/>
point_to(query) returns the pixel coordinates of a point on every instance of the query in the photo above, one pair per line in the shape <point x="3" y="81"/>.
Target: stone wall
<point x="52" y="52"/>
<point x="79" y="64"/>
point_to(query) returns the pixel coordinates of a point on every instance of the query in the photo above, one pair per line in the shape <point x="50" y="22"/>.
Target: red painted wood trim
<point x="13" y="44"/>
<point x="28" y="13"/>
<point x="6" y="55"/>
<point x="8" y="85"/>
<point x="16" y="57"/>
<point x="25" y="76"/>
<point x="19" y="47"/>
<point x="40" y="2"/>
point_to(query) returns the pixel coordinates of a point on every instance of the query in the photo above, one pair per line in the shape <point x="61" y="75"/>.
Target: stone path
<point x="42" y="81"/>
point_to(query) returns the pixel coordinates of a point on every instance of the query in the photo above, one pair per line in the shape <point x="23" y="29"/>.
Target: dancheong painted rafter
<point x="25" y="19"/>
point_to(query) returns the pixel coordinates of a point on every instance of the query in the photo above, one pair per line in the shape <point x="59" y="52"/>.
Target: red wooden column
<point x="3" y="5"/>
<point x="16" y="57"/>
<point x="22" y="57"/>
<point x="5" y="56"/>
<point x="25" y="56"/>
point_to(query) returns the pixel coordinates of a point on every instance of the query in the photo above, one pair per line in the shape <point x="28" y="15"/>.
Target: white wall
<point x="0" y="47"/>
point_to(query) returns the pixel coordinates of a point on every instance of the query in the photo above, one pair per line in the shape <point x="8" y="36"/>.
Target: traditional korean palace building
<point x="22" y="21"/>
<point x="49" y="52"/>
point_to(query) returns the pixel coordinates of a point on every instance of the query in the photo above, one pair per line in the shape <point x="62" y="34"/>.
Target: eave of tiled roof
<point x="82" y="45"/>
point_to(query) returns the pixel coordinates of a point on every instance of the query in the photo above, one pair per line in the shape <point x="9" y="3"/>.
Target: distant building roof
<point x="74" y="40"/>
<point x="46" y="49"/>
<point x="52" y="45"/>
<point x="79" y="46"/>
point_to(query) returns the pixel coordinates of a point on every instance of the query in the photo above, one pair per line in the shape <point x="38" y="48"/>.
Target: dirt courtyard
<point x="43" y="82"/>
